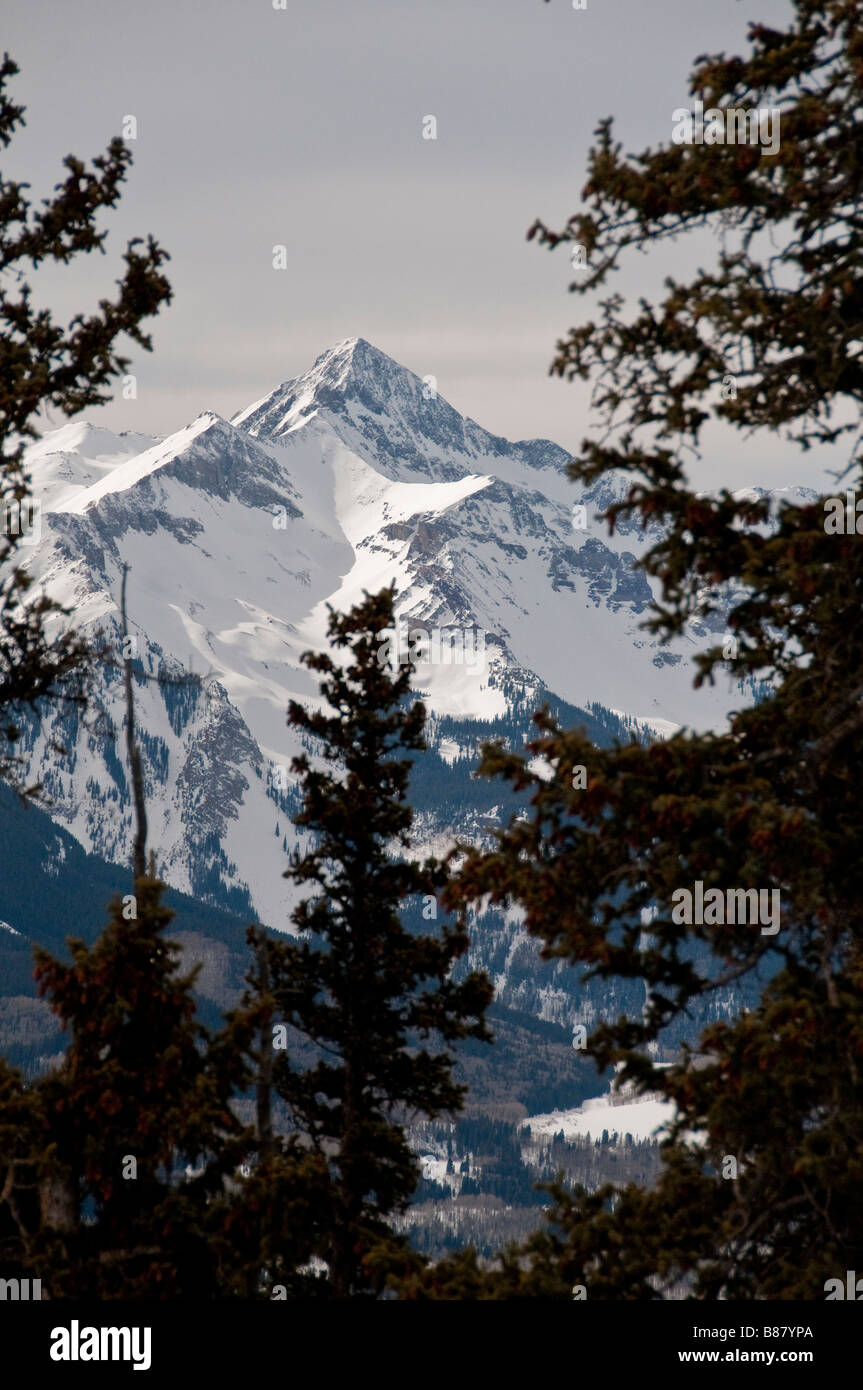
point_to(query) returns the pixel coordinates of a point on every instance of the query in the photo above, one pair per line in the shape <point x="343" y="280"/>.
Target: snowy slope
<point x="240" y="534"/>
<point x="71" y="458"/>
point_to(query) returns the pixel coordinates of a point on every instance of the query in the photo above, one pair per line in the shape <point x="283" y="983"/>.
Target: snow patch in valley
<point x="643" y="1118"/>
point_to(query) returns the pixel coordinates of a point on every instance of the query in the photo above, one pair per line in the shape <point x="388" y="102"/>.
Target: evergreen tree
<point x="101" y="1189"/>
<point x="373" y="1003"/>
<point x="770" y="1203"/>
<point x="267" y="1229"/>
<point x="45" y="364"/>
<point x="21" y="1166"/>
<point x="139" y="1098"/>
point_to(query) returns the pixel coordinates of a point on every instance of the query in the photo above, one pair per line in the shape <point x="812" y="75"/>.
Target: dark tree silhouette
<point x="44" y="363"/>
<point x="770" y="1203"/>
<point x="364" y="992"/>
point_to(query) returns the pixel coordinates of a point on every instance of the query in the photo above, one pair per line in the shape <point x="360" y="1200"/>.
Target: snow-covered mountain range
<point x="240" y="533"/>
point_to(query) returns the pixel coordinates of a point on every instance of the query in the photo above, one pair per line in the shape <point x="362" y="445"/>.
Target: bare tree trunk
<point x="257" y="1272"/>
<point x="139" y="862"/>
<point x="265" y="1060"/>
<point x="59" y="1204"/>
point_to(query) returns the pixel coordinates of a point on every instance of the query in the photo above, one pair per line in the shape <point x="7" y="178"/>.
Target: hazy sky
<point x="303" y="127"/>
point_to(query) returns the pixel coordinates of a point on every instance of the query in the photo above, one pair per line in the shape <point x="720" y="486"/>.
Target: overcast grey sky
<point x="303" y="127"/>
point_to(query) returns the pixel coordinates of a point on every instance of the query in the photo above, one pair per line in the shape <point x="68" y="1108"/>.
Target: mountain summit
<point x="399" y="419"/>
<point x="240" y="533"/>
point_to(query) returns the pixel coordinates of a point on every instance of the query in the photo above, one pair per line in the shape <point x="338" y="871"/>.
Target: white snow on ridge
<point x="663" y="728"/>
<point x="126" y="474"/>
<point x="240" y="535"/>
<point x="66" y="461"/>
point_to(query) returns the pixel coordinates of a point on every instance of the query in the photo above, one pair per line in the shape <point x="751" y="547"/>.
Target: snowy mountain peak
<point x="241" y="535"/>
<point x="396" y="419"/>
<point x="354" y="357"/>
<point x="349" y="371"/>
<point x="141" y="465"/>
<point x="66" y="460"/>
<point x="89" y="440"/>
